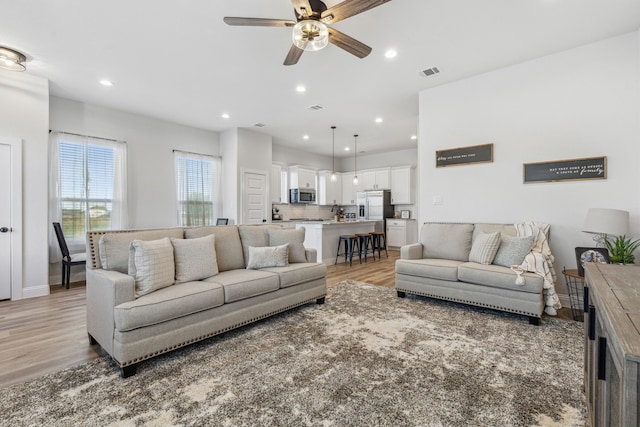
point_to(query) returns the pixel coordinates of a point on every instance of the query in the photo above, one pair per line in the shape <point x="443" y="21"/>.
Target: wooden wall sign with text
<point x="566" y="170"/>
<point x="464" y="155"/>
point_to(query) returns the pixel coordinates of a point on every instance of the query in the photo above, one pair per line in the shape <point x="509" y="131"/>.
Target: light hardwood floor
<point x="47" y="334"/>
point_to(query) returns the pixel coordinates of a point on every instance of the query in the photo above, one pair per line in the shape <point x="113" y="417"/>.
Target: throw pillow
<point x="268" y="256"/>
<point x="446" y="241"/>
<point x="151" y="265"/>
<point x="513" y="250"/>
<point x="195" y="258"/>
<point x="484" y="248"/>
<point x="295" y="239"/>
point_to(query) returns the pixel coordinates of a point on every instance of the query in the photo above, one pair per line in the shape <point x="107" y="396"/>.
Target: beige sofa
<point x="454" y="262"/>
<point x="151" y="311"/>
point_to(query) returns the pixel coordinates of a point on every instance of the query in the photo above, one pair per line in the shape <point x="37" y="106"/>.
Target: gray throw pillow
<point x="195" y="258"/>
<point x="268" y="256"/>
<point x="446" y="241"/>
<point x="513" y="250"/>
<point x="295" y="239"/>
<point x="484" y="248"/>
<point x="151" y="265"/>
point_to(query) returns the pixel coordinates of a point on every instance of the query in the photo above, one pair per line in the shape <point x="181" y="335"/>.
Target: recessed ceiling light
<point x="105" y="82"/>
<point x="225" y="115"/>
<point x="414" y="137"/>
<point x="305" y="137"/>
<point x="390" y="53"/>
<point x="379" y="120"/>
<point x="301" y="89"/>
<point x="347" y="149"/>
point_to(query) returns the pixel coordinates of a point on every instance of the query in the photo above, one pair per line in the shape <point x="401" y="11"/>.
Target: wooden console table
<point x="612" y="344"/>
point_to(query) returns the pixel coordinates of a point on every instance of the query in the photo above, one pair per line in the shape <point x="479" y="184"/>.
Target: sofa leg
<point x="534" y="321"/>
<point x="401" y="294"/>
<point x="320" y="300"/>
<point x="92" y="340"/>
<point x="128" y="371"/>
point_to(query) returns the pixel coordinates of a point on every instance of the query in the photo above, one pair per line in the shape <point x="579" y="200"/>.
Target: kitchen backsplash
<point x="288" y="211"/>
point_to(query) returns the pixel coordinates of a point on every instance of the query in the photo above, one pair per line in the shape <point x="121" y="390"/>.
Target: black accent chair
<point x="67" y="259"/>
<point x="222" y="221"/>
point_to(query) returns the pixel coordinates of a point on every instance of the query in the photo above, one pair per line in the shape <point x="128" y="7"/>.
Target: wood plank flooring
<point x="47" y="334"/>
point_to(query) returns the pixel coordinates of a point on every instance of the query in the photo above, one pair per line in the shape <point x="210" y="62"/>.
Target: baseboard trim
<point x="564" y="300"/>
<point x="35" y="291"/>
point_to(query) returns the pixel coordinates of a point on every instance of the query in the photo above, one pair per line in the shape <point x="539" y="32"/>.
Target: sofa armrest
<point x="412" y="251"/>
<point x="106" y="290"/>
<point x="311" y="254"/>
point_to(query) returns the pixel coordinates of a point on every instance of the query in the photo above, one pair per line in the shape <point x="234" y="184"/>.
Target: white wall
<point x="24" y="114"/>
<point x="290" y="156"/>
<point x="379" y="160"/>
<point x="582" y="102"/>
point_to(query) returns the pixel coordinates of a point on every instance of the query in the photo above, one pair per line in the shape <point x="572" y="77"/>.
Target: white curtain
<point x="119" y="208"/>
<point x="197" y="188"/>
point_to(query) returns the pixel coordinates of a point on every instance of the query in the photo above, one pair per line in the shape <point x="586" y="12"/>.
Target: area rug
<point x="364" y="358"/>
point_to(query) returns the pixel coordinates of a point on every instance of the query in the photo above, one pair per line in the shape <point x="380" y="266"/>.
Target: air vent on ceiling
<point x="259" y="125"/>
<point x="316" y="107"/>
<point x="430" y="71"/>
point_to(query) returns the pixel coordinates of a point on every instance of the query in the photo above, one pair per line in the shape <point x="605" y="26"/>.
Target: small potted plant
<point x="621" y="249"/>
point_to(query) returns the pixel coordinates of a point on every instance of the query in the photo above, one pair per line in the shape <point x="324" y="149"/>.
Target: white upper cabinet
<point x="375" y="179"/>
<point x="301" y="177"/>
<point x="329" y="192"/>
<point x="349" y="189"/>
<point x="401" y="185"/>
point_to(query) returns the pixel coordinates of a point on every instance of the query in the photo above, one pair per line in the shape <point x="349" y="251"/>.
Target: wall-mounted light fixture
<point x="12" y="59"/>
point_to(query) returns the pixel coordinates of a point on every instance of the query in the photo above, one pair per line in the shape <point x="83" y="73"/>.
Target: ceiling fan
<point x="310" y="30"/>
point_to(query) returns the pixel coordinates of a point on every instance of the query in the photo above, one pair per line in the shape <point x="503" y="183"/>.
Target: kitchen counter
<point x="324" y="235"/>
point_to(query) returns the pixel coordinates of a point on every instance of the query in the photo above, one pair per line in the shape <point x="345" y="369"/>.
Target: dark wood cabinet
<point x="612" y="344"/>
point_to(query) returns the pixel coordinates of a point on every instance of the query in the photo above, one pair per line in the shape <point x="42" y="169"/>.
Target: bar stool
<point x="365" y="243"/>
<point x="350" y="245"/>
<point x="379" y="242"/>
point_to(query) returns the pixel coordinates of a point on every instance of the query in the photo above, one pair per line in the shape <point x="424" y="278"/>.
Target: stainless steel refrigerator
<point x="376" y="206"/>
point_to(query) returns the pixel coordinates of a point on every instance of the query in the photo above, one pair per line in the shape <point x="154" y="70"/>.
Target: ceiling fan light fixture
<point x="12" y="59"/>
<point x="310" y="35"/>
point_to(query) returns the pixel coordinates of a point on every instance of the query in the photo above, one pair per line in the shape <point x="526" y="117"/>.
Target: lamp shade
<point x="606" y="221"/>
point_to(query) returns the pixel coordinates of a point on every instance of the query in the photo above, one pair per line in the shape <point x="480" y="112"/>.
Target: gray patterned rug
<point x="366" y="357"/>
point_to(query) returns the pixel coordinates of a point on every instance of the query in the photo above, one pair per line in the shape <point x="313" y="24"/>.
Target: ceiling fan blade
<point x="259" y="22"/>
<point x="299" y="5"/>
<point x="349" y="8"/>
<point x="293" y="56"/>
<point x="349" y="44"/>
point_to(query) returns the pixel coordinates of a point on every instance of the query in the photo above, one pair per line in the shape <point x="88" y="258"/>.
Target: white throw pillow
<point x="195" y="258"/>
<point x="484" y="248"/>
<point x="268" y="256"/>
<point x="151" y="265"/>
<point x="295" y="239"/>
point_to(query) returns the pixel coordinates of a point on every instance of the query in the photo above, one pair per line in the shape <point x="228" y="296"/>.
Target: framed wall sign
<point x="464" y="155"/>
<point x="405" y="214"/>
<point x="566" y="170"/>
<point x="584" y="255"/>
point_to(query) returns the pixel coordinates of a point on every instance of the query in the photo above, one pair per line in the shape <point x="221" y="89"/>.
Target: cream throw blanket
<point x="540" y="261"/>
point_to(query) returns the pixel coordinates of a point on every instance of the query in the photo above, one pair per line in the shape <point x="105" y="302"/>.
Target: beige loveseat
<point x="463" y="263"/>
<point x="145" y="298"/>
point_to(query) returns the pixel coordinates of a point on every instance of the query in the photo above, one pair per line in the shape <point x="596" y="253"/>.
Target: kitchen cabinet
<point x="301" y="177"/>
<point x="349" y="189"/>
<point x="278" y="192"/>
<point x="329" y="192"/>
<point x="401" y="232"/>
<point x="402" y="185"/>
<point x="612" y="344"/>
<point x="375" y="179"/>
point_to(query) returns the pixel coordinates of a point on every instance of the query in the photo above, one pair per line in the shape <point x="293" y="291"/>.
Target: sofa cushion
<point x="268" y="256"/>
<point x="195" y="258"/>
<point x="512" y="250"/>
<point x="295" y="239"/>
<point x="228" y="246"/>
<point x="114" y="247"/>
<point x="168" y="303"/>
<point x="253" y="235"/>
<point x="152" y="265"/>
<point x="297" y="273"/>
<point x="446" y="241"/>
<point x="442" y="269"/>
<point x="498" y="277"/>
<point x="484" y="247"/>
<point x="242" y="284"/>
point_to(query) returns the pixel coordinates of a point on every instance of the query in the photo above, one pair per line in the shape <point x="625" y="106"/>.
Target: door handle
<point x="4" y="229"/>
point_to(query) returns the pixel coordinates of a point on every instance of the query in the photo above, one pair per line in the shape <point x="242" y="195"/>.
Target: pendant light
<point x="333" y="170"/>
<point x="355" y="173"/>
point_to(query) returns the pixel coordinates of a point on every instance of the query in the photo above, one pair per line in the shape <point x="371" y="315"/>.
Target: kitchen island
<point x="324" y="235"/>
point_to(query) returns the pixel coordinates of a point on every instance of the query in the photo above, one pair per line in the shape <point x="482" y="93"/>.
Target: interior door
<point x="5" y="221"/>
<point x="254" y="197"/>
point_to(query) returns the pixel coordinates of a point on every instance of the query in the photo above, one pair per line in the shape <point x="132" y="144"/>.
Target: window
<point x="197" y="185"/>
<point x="88" y="185"/>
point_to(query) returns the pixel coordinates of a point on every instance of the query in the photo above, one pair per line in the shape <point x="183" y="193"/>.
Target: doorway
<point x="254" y="197"/>
<point x="11" y="219"/>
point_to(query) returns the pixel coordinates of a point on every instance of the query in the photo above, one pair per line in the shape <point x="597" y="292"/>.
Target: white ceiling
<point x="177" y="60"/>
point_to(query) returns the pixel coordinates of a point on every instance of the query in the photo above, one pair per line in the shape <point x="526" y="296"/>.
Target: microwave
<point x="302" y="195"/>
